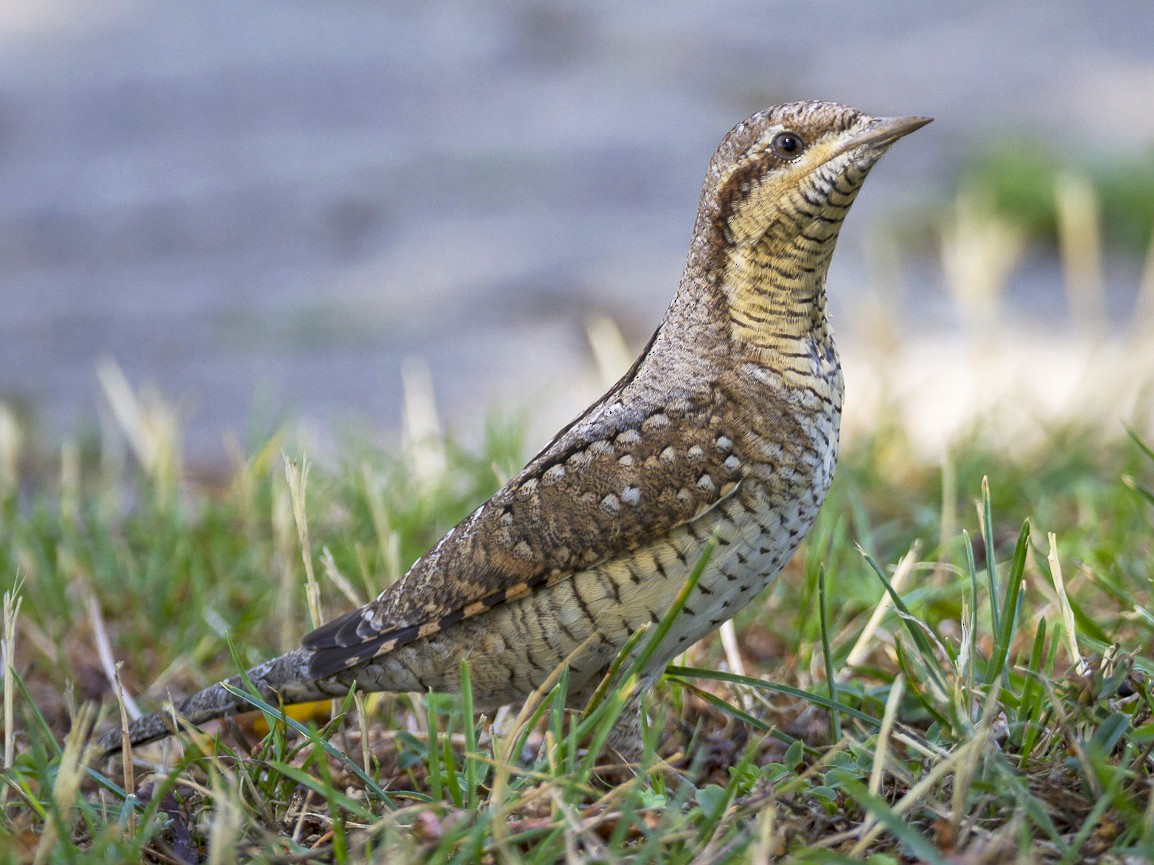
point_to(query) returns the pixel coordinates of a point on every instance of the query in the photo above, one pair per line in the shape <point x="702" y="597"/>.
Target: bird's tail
<point x="282" y="680"/>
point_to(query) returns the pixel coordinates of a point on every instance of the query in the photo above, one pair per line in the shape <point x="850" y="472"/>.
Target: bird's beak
<point x="882" y="132"/>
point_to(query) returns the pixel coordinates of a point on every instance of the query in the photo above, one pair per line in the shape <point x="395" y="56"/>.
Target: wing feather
<point x="609" y="483"/>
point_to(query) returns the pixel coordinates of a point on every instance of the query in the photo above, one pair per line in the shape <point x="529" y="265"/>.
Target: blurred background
<point x="351" y="212"/>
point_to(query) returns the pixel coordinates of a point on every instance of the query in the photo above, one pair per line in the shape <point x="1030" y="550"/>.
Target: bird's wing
<point x="611" y="482"/>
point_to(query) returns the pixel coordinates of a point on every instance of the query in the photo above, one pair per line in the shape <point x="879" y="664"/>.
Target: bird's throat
<point x="776" y="293"/>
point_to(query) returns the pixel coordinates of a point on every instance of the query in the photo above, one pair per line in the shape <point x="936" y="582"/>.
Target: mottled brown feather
<point x="589" y="496"/>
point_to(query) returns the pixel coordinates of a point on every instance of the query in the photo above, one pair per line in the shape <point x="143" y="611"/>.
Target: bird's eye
<point x="787" y="145"/>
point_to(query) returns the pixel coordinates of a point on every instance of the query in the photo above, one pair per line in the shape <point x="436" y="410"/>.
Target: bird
<point x="724" y="432"/>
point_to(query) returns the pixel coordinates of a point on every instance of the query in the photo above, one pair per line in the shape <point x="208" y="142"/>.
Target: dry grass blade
<point x="228" y="820"/>
<point x="610" y="351"/>
<point x="126" y="760"/>
<point x="968" y="767"/>
<point x="863" y="645"/>
<point x="67" y="784"/>
<point x="11" y="446"/>
<point x="1080" y="245"/>
<point x="732" y="647"/>
<point x="150" y="425"/>
<point x="1068" y="621"/>
<point x="889" y="721"/>
<point x="424" y="441"/>
<point x="333" y="574"/>
<point x="298" y="481"/>
<point x="980" y="248"/>
<point x="12" y="604"/>
<point x="105" y="654"/>
<point x="917" y="796"/>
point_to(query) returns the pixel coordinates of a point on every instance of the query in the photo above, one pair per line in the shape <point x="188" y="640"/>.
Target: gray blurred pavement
<point x="277" y="203"/>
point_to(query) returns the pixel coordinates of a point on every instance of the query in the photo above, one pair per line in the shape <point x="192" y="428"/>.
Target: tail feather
<point x="282" y="680"/>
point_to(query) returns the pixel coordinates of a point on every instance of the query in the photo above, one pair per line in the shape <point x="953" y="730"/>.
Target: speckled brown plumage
<point x="725" y="427"/>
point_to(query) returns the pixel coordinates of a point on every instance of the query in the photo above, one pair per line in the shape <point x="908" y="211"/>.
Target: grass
<point x="952" y="669"/>
<point x="1024" y="175"/>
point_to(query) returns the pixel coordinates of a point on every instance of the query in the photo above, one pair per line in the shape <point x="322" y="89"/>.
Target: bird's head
<point x="775" y="195"/>
<point x="797" y="167"/>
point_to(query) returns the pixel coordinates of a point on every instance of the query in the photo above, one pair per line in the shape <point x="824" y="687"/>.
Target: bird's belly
<point x="756" y="533"/>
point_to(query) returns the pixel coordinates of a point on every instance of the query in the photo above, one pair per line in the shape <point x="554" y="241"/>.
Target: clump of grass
<point x="979" y="693"/>
<point x="1024" y="179"/>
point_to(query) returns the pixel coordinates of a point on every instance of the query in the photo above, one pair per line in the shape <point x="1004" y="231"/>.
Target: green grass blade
<point x="331" y="794"/>
<point x="1030" y="704"/>
<point x="809" y="696"/>
<point x="258" y="703"/>
<point x="911" y="623"/>
<point x="433" y="750"/>
<point x="895" y="824"/>
<point x="1138" y="440"/>
<point x="472" y="782"/>
<point x="1144" y="492"/>
<point x="1004" y="633"/>
<point x="991" y="559"/>
<point x="827" y="655"/>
